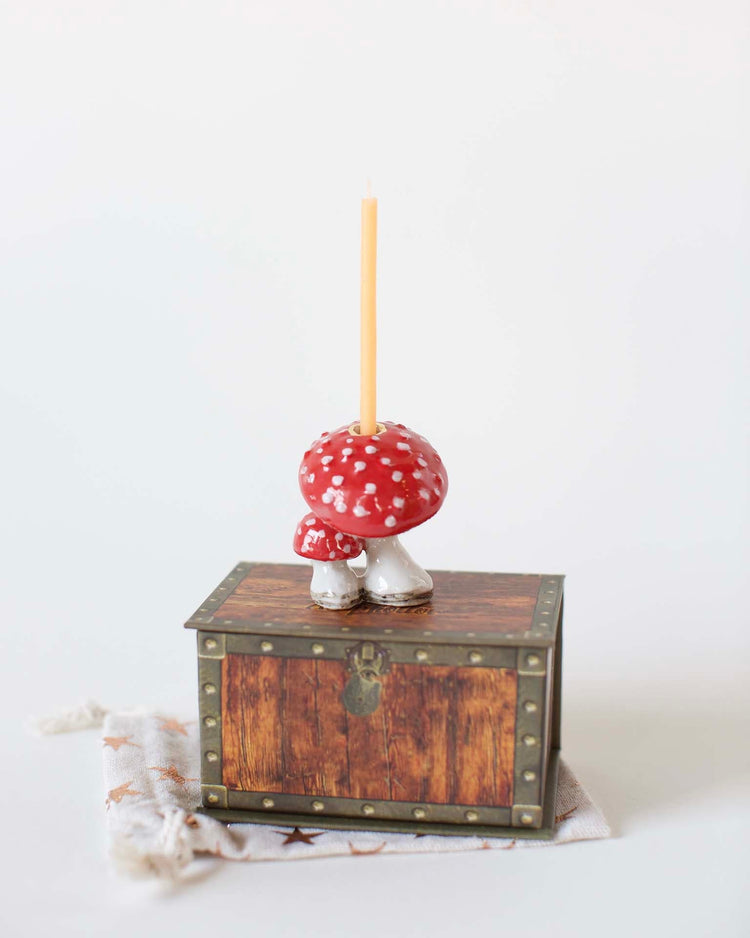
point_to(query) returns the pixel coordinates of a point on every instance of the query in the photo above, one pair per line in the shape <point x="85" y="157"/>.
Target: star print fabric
<point x="152" y="786"/>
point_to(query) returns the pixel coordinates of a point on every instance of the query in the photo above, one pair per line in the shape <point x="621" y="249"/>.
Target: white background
<point x="563" y="297"/>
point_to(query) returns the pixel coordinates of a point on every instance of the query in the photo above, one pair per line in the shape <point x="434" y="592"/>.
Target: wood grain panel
<point x="418" y="714"/>
<point x="302" y="770"/>
<point x="331" y="729"/>
<point x="369" y="764"/>
<point x="480" y="602"/>
<point x="251" y="723"/>
<point x="438" y="703"/>
<point x="485" y="736"/>
<point x="441" y="735"/>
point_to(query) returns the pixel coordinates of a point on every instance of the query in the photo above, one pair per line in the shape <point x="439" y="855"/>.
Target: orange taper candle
<point x="368" y="321"/>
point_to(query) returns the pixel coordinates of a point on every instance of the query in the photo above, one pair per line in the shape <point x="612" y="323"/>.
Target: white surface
<point x="563" y="297"/>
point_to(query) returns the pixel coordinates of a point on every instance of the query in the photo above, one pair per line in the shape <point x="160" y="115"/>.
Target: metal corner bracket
<point x="214" y="796"/>
<point x="212" y="645"/>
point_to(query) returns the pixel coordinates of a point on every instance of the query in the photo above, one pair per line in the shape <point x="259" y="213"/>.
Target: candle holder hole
<point x="354" y="430"/>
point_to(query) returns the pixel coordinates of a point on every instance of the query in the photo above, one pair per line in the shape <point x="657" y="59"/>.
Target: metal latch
<point x="367" y="661"/>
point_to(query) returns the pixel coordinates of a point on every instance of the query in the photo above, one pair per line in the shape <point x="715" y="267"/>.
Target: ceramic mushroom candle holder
<point x="363" y="491"/>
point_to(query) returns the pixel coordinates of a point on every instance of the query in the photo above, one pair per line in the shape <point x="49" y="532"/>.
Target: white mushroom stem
<point x="334" y="584"/>
<point x="392" y="578"/>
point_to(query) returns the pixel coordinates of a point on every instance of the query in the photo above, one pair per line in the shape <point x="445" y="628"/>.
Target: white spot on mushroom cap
<point x="327" y="497"/>
<point x="331" y="554"/>
<point x="326" y="459"/>
<point x="347" y="548"/>
<point x="347" y="451"/>
<point x="349" y="439"/>
<point x="339" y="536"/>
<point x="310" y="521"/>
<point x="390" y="522"/>
<point x="397" y="476"/>
<point x="423" y="493"/>
<point x="398" y="502"/>
<point x="417" y="474"/>
<point x="359" y="511"/>
<point x="371" y="449"/>
<point x="422" y="462"/>
<point x="337" y="480"/>
<point x="319" y="449"/>
<point x="404" y="446"/>
<point x="359" y="466"/>
<point x="311" y="478"/>
<point x="303" y="470"/>
<point x="385" y="460"/>
<point x="340" y="505"/>
<point x="370" y="488"/>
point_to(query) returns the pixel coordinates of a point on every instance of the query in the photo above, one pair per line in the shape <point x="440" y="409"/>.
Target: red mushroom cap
<point x="373" y="486"/>
<point x="317" y="540"/>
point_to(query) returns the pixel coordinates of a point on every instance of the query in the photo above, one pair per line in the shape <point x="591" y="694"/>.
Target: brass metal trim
<point x="354" y="808"/>
<point x="214" y="796"/>
<point x="323" y="633"/>
<point x="212" y="644"/>
<point x="526" y="815"/>
<point x="301" y="646"/>
<point x="531" y="745"/>
<point x="531" y="662"/>
<point x="209" y="707"/>
<point x="547" y="608"/>
<point x="204" y="614"/>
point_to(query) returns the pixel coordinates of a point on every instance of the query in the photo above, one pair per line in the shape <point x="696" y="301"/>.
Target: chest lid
<point x="483" y="608"/>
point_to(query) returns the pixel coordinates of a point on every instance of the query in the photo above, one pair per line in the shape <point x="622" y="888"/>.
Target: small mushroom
<point x="334" y="584"/>
<point x="376" y="487"/>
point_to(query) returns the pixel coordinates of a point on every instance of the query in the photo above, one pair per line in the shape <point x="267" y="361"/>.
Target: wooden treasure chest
<point x="442" y="718"/>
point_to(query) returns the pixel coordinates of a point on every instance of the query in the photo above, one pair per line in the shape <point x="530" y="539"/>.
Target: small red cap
<point x="317" y="540"/>
<point x="373" y="486"/>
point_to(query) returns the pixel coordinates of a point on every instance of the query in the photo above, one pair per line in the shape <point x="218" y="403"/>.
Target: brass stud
<point x="530" y="707"/>
<point x="318" y="806"/>
<point x="266" y="646"/>
<point x="267" y="802"/>
<point x="475" y="657"/>
<point x="212" y="798"/>
<point x="317" y="648"/>
<point x="419" y="813"/>
<point x="209" y="688"/>
<point x="529" y="775"/>
<point x="529" y="740"/>
<point x="212" y="756"/>
<point x="527" y="819"/>
<point x="471" y="815"/>
<point x="533" y="660"/>
<point x="368" y="809"/>
<point x="210" y="643"/>
<point x="209" y="721"/>
<point x="420" y="654"/>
